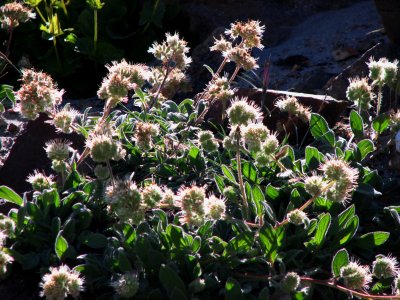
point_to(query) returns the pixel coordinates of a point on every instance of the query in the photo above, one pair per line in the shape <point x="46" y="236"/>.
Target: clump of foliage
<point x="174" y="210"/>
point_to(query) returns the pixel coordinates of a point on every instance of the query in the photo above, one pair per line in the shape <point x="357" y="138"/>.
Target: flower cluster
<point x="40" y="181"/>
<point x="292" y="106"/>
<point x="58" y="152"/>
<point x="103" y="148"/>
<point x="122" y="77"/>
<point x="172" y="50"/>
<point x="383" y="71"/>
<point x="243" y="112"/>
<point x="219" y="89"/>
<point x="250" y="34"/>
<point x="197" y="208"/>
<point x="355" y="276"/>
<point x="297" y="217"/>
<point x="38" y="93"/>
<point x="344" y="178"/>
<point x="64" y="119"/>
<point x="360" y="92"/>
<point x="129" y="202"/>
<point x="254" y="135"/>
<point x="144" y="133"/>
<point x="290" y="282"/>
<point x="14" y="13"/>
<point x="207" y="141"/>
<point x="60" y="283"/>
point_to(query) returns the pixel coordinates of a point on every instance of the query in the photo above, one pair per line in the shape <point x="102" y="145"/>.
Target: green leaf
<point x="349" y="230"/>
<point x="240" y="244"/>
<point x="95" y="240"/>
<point x="340" y="259"/>
<point x="270" y="240"/>
<point x="372" y="239"/>
<point x="220" y="183"/>
<point x="233" y="290"/>
<point x="9" y="195"/>
<point x="381" y="123"/>
<point x="61" y="246"/>
<point x="364" y="148"/>
<point x="313" y="157"/>
<point x="170" y="279"/>
<point x="320" y="130"/>
<point x="322" y="229"/>
<point x="250" y="172"/>
<point x="228" y="174"/>
<point x="356" y="124"/>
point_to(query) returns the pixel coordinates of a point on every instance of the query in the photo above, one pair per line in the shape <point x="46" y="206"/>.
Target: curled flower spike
<point x="60" y="283"/>
<point x="243" y="112"/>
<point x="297" y="217"/>
<point x="314" y="185"/>
<point x="355" y="276"/>
<point x="383" y="71"/>
<point x="14" y="13"/>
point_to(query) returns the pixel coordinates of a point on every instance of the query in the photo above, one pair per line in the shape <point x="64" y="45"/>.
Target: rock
<point x="389" y="11"/>
<point x="27" y="154"/>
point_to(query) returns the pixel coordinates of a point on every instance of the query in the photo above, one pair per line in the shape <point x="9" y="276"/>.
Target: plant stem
<point x="95" y="30"/>
<point x="154" y="102"/>
<point x="329" y="283"/>
<point x="234" y="74"/>
<point x="307" y="203"/>
<point x="378" y="110"/>
<point x="240" y="176"/>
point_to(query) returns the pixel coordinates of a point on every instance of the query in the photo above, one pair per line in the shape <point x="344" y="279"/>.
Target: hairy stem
<point x="240" y="175"/>
<point x="154" y="102"/>
<point x="307" y="203"/>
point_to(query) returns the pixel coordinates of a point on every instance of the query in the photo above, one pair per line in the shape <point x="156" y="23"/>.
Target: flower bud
<point x="102" y="172"/>
<point x="290" y="282"/>
<point x="297" y="217"/>
<point x="384" y="267"/>
<point x="127" y="285"/>
<point x="355" y="277"/>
